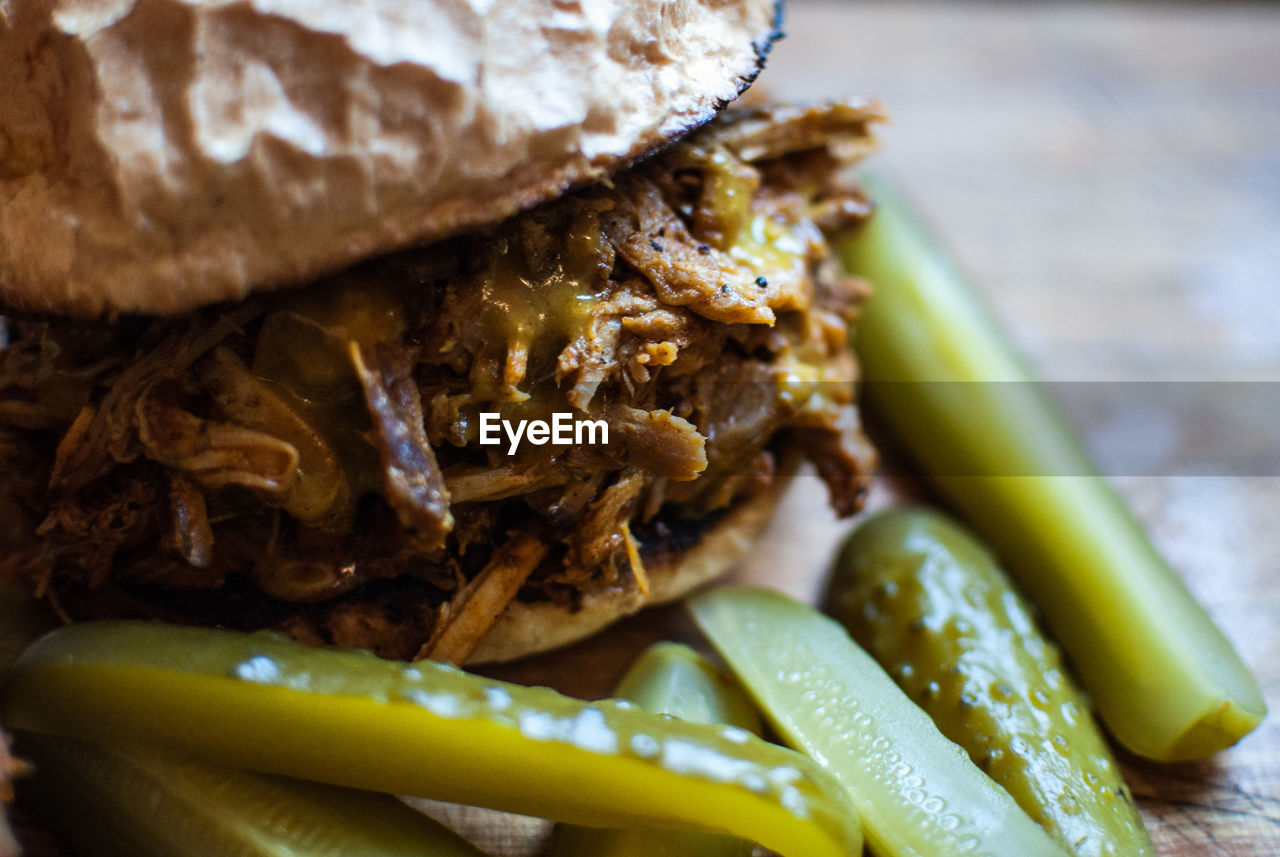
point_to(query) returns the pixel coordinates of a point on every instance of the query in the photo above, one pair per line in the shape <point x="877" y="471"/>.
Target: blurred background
<point x="1108" y="173"/>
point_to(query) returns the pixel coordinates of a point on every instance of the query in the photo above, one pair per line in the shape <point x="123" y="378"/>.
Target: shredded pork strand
<point x="309" y="460"/>
<point x="477" y="606"/>
<point x="414" y="484"/>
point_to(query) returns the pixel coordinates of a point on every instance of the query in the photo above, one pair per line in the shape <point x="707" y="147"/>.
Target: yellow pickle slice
<point x="145" y="803"/>
<point x="267" y="704"/>
<point x="669" y="678"/>
<point x="917" y="793"/>
<point x="929" y="603"/>
<point x="943" y="378"/>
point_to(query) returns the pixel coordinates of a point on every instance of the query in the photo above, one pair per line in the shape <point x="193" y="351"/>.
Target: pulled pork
<point x="309" y="460"/>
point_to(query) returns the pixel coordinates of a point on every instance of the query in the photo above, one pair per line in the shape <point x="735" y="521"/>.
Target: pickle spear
<point x="928" y="602"/>
<point x="918" y="793"/>
<point x="144" y="802"/>
<point x="263" y="703"/>
<point x="669" y="679"/>
<point x="942" y="379"/>
<point x="105" y="802"/>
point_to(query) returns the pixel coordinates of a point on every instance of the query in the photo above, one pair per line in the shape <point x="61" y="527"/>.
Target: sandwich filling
<point x="310" y="461"/>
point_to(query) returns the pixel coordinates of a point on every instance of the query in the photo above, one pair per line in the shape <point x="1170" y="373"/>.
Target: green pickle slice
<point x="267" y="704"/>
<point x="138" y="801"/>
<point x="940" y="375"/>
<point x="929" y="603"/>
<point x="141" y="801"/>
<point x="672" y="679"/>
<point x="917" y="793"/>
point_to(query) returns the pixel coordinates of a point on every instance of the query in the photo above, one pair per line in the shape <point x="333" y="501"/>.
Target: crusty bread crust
<point x="527" y="629"/>
<point x="159" y="155"/>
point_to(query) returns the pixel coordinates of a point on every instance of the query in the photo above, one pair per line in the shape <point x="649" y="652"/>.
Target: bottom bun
<point x="527" y="629"/>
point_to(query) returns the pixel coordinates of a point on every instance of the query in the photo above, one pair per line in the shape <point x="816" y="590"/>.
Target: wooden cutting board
<point x="1111" y="176"/>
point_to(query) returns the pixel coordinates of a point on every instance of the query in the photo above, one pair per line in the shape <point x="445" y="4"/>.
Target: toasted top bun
<point x="157" y="155"/>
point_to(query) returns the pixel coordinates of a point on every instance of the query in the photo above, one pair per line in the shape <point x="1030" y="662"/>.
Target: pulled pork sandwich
<point x="266" y="267"/>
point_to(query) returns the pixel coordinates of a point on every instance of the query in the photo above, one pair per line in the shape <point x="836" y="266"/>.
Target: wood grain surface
<point x="1111" y="177"/>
